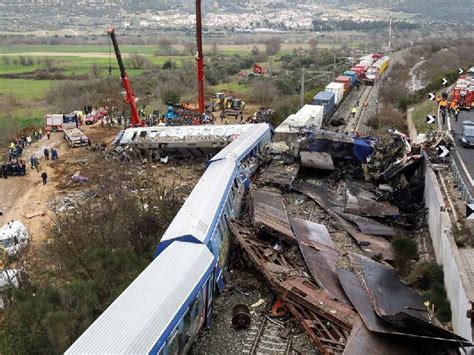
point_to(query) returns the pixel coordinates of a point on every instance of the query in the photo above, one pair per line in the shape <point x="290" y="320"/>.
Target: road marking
<point x="465" y="169"/>
<point x="449" y="123"/>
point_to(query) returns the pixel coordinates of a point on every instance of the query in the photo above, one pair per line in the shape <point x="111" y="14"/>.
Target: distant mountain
<point x="454" y="10"/>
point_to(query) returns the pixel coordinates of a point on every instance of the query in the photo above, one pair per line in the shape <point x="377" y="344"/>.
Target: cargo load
<point x="351" y="74"/>
<point x="358" y="70"/>
<point x="346" y="81"/>
<point x="338" y="90"/>
<point x="327" y="100"/>
<point x="309" y="116"/>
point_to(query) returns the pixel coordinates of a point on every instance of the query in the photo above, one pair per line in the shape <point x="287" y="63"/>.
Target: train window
<point x="142" y="134"/>
<point x="173" y="343"/>
<point x="187" y="321"/>
<point x="161" y="351"/>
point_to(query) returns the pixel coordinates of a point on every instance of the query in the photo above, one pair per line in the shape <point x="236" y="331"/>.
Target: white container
<point x="338" y="90"/>
<point x="308" y="117"/>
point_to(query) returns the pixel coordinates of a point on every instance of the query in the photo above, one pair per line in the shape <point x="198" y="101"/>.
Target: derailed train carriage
<point x="164" y="308"/>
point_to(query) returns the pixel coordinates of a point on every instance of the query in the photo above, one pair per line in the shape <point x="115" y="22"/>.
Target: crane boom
<point x="127" y="85"/>
<point x="199" y="59"/>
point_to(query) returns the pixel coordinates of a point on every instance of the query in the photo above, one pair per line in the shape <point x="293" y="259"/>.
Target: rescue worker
<point x="456" y="113"/>
<point x="452" y="107"/>
<point x="44" y="176"/>
<point x="354" y="111"/>
<point x="443" y="107"/>
<point x="54" y="154"/>
<point x="46" y="153"/>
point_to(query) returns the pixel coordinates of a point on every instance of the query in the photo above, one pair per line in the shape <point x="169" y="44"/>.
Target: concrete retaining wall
<point x="412" y="133"/>
<point x="447" y="254"/>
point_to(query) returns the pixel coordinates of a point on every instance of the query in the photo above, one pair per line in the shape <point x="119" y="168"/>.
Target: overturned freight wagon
<point x="180" y="141"/>
<point x="308" y="117"/>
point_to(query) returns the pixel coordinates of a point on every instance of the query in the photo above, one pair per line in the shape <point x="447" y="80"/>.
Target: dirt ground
<point x="25" y="198"/>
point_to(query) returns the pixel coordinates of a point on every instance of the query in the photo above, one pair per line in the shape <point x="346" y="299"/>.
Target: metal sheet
<point x="359" y="298"/>
<point x="364" y="342"/>
<point x="320" y="255"/>
<point x="369" y="226"/>
<point x="269" y="213"/>
<point x="362" y="202"/>
<point x="372" y="246"/>
<point x="394" y="301"/>
<point x="278" y="174"/>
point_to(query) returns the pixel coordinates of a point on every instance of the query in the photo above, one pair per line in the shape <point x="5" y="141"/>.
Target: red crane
<point x="199" y="59"/>
<point x="127" y="85"/>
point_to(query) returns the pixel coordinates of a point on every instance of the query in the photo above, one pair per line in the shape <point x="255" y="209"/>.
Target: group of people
<point x="14" y="166"/>
<point x="53" y="153"/>
<point x="448" y="107"/>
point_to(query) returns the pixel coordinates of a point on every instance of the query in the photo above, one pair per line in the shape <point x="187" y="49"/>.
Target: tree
<point x="166" y="46"/>
<point x="313" y="45"/>
<point x="170" y="95"/>
<point x="137" y="61"/>
<point x="168" y="65"/>
<point x="273" y="45"/>
<point x="189" y="48"/>
<point x="214" y="49"/>
<point x="265" y="92"/>
<point x="6" y="60"/>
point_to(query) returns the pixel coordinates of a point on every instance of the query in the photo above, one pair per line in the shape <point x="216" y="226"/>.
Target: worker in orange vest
<point x="452" y="107"/>
<point x="443" y="107"/>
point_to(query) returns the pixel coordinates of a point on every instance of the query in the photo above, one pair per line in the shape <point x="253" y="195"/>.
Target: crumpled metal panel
<point x="394" y="301"/>
<point x="320" y="255"/>
<point x="290" y="281"/>
<point x="356" y="291"/>
<point x="278" y="174"/>
<point x="269" y="213"/>
<point x="369" y="226"/>
<point x="364" y="342"/>
<point x="372" y="246"/>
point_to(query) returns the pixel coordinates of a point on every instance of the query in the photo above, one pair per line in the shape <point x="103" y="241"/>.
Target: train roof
<point x="138" y="321"/>
<point x="244" y="143"/>
<point x="199" y="213"/>
<point x="190" y="133"/>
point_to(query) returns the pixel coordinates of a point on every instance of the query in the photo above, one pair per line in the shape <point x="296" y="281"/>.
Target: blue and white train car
<point x="161" y="311"/>
<point x="201" y="219"/>
<point x="164" y="308"/>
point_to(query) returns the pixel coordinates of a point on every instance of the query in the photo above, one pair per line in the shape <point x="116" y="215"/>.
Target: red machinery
<point x="258" y="69"/>
<point x="127" y="85"/>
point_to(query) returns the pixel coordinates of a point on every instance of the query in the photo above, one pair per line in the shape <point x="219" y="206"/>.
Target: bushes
<point x="429" y="278"/>
<point x="97" y="249"/>
<point x="405" y="250"/>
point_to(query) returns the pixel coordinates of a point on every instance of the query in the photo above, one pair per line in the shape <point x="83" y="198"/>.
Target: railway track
<point x="264" y="338"/>
<point x="356" y="123"/>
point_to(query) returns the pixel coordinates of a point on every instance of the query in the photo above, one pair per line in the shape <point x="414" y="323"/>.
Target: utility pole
<point x="302" y="88"/>
<point x="390" y="32"/>
<point x="199" y="58"/>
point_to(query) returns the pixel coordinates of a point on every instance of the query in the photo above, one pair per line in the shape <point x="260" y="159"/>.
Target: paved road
<point x="464" y="157"/>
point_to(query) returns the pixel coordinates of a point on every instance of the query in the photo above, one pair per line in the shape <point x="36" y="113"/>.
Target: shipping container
<point x="358" y="70"/>
<point x="338" y="90"/>
<point x="309" y="116"/>
<point x="346" y="81"/>
<point x="327" y="99"/>
<point x="351" y="74"/>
